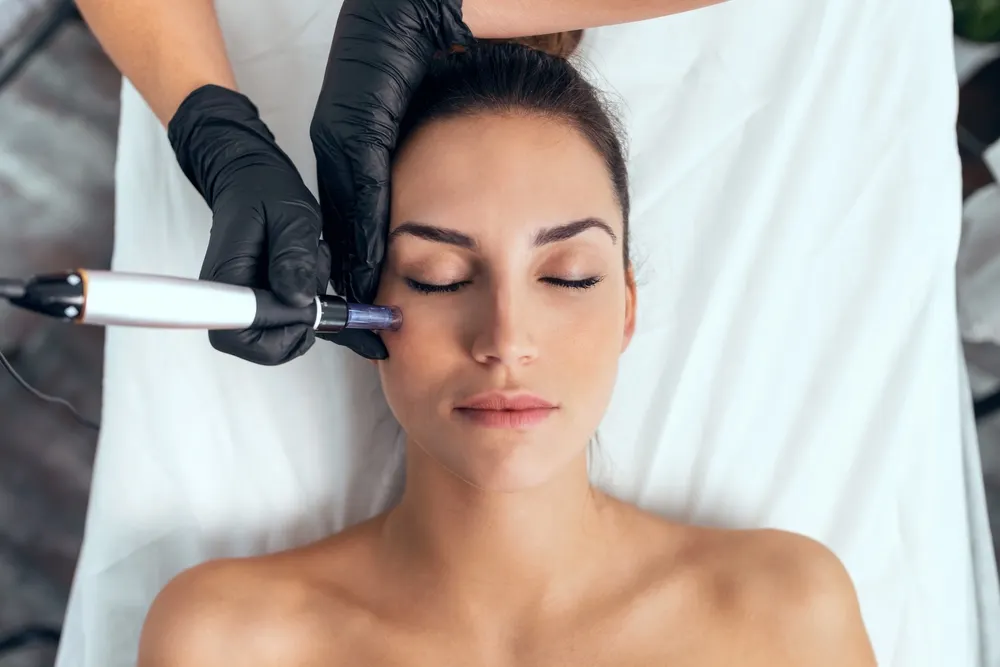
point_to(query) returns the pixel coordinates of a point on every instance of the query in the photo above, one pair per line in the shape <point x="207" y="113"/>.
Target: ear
<point x="630" y="307"/>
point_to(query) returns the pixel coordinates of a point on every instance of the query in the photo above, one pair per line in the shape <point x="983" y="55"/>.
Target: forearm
<point x="166" y="48"/>
<point x="521" y="18"/>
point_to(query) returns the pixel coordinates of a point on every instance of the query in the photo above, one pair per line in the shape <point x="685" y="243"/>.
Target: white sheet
<point x="797" y="214"/>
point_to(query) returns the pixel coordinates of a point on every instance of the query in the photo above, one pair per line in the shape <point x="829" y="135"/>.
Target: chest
<point x="633" y="641"/>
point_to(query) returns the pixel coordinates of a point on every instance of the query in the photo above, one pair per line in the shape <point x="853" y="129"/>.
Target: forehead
<point x="492" y="169"/>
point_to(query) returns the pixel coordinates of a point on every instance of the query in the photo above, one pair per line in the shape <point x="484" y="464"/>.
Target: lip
<point x="505" y="410"/>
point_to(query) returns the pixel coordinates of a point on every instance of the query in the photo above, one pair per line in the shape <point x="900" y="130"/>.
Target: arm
<point x="521" y="18"/>
<point x="266" y="223"/>
<point x="166" y="48"/>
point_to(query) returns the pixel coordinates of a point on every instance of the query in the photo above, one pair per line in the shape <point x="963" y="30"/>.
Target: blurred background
<point x="58" y="123"/>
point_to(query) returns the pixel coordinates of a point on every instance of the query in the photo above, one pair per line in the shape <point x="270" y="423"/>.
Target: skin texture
<point x="500" y="552"/>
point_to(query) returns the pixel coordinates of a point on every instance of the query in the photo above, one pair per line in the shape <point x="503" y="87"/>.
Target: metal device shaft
<point x="107" y="298"/>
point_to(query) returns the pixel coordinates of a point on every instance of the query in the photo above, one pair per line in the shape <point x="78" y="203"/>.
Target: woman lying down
<point x="508" y="253"/>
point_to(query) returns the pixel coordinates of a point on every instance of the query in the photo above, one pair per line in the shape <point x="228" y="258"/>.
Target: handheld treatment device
<point x="107" y="298"/>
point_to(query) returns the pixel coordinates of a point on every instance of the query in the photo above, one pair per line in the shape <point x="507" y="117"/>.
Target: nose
<point x="503" y="334"/>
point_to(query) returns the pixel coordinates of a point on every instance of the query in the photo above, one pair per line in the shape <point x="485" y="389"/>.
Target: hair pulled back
<point x="508" y="78"/>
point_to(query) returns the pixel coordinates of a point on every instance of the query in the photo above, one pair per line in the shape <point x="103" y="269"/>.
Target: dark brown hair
<point x="508" y="77"/>
<point x="559" y="44"/>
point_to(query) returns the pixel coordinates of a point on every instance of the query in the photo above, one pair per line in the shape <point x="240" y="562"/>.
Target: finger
<point x="365" y="343"/>
<point x="336" y="196"/>
<point x="354" y="197"/>
<point x="235" y="251"/>
<point x="370" y="222"/>
<point x="293" y="247"/>
<point x="324" y="263"/>
<point x="267" y="347"/>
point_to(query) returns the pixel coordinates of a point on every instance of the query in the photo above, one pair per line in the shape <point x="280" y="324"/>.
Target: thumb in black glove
<point x="266" y="224"/>
<point x="380" y="53"/>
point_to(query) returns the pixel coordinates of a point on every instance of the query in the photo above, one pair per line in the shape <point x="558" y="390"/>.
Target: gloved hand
<point x="380" y="53"/>
<point x="265" y="223"/>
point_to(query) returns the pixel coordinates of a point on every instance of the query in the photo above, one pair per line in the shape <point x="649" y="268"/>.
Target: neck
<point x="515" y="548"/>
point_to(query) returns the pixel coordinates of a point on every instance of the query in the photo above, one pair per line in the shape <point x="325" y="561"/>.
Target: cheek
<point x="426" y="332"/>
<point x="421" y="355"/>
<point x="405" y="376"/>
<point x="591" y="330"/>
<point x="586" y="349"/>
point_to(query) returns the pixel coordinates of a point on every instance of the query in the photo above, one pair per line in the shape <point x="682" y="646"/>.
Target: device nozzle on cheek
<point x="107" y="298"/>
<point x="331" y="316"/>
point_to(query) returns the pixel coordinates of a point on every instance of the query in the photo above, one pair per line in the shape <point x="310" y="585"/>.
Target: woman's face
<point x="505" y="255"/>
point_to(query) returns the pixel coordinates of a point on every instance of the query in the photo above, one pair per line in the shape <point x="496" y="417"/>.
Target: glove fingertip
<point x="324" y="268"/>
<point x="364" y="343"/>
<point x="374" y="350"/>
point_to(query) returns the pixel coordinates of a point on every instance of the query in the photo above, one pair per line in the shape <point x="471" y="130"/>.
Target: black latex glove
<point x="380" y="53"/>
<point x="265" y="223"/>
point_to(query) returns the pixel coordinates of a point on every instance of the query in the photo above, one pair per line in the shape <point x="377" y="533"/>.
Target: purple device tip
<point x="373" y="318"/>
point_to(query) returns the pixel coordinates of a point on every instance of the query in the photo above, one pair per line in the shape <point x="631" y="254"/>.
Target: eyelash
<point x="585" y="283"/>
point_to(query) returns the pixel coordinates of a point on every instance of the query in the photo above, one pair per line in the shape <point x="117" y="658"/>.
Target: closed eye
<point x="426" y="288"/>
<point x="585" y="283"/>
<point x="435" y="289"/>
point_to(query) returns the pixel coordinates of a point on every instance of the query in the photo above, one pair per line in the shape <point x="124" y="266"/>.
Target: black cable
<point x="45" y="397"/>
<point x="12" y="288"/>
<point x="27" y="636"/>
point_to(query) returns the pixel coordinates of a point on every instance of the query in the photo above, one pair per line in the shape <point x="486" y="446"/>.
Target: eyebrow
<point x="571" y="229"/>
<point x="543" y="237"/>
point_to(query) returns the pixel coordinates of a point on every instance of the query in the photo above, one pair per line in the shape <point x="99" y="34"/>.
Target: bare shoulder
<point x="254" y="612"/>
<point x="221" y="612"/>
<point x="787" y="599"/>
